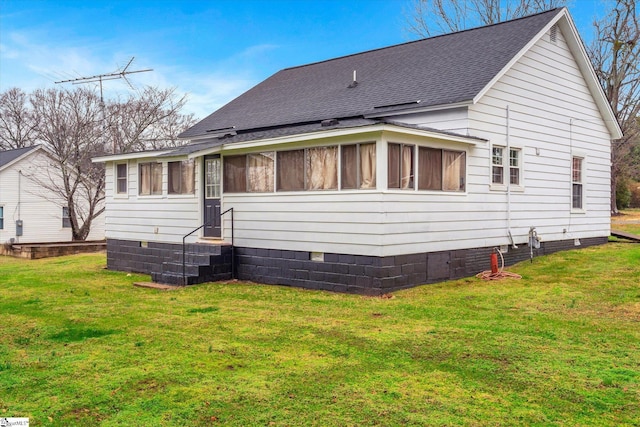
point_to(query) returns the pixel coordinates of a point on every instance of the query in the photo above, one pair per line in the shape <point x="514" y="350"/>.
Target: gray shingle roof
<point x="440" y="70"/>
<point x="8" y="156"/>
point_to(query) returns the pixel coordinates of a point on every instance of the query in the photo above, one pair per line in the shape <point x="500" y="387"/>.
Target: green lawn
<point x="628" y="220"/>
<point x="79" y="345"/>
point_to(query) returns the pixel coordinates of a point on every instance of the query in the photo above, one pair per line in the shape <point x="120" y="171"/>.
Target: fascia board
<point x="129" y="156"/>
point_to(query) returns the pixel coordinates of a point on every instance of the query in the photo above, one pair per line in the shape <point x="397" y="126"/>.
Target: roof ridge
<point x="422" y="39"/>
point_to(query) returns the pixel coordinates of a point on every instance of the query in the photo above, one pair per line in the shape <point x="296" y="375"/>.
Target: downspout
<point x="507" y="175"/>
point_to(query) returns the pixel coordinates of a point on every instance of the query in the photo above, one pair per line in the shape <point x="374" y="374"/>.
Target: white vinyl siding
<point x="552" y="115"/>
<point x="160" y="218"/>
<point x="40" y="212"/>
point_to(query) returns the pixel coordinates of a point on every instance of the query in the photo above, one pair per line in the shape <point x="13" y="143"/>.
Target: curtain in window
<point x="454" y="170"/>
<point x="349" y="167"/>
<point x="429" y="169"/>
<point x="260" y="174"/>
<point x="393" y="166"/>
<point x="188" y="178"/>
<point x="156" y="178"/>
<point x="145" y="179"/>
<point x="322" y="168"/>
<point x="367" y="165"/>
<point x="290" y="173"/>
<point x="407" y="167"/>
<point x="174" y="177"/>
<point x="235" y="174"/>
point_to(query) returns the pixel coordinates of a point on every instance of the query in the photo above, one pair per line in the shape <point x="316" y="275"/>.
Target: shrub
<point x="623" y="193"/>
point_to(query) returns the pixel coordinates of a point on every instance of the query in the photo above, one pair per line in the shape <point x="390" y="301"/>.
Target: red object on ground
<point x="494" y="262"/>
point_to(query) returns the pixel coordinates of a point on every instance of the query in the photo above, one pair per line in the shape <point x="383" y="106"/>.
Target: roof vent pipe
<point x="354" y="83"/>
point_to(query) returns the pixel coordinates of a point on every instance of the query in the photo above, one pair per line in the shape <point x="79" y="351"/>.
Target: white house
<point x="380" y="170"/>
<point x="30" y="213"/>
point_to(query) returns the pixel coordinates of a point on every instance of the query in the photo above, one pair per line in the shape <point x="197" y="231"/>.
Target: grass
<point x="80" y="346"/>
<point x="628" y="221"/>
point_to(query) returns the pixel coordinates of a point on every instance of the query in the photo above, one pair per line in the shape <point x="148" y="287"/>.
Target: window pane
<point x="429" y="169"/>
<point x="393" y="167"/>
<point x="349" y="167"/>
<point x="144" y="183"/>
<point x="188" y="177"/>
<point x="66" y="222"/>
<point x="406" y="167"/>
<point x="577" y="169"/>
<point x="290" y="174"/>
<point x="577" y="196"/>
<point x="121" y="178"/>
<point x="513" y="158"/>
<point x="514" y="176"/>
<point x="174" y="178"/>
<point x="497" y="175"/>
<point x="212" y="178"/>
<point x="454" y="170"/>
<point x="496" y="158"/>
<point x="260" y="172"/>
<point x="322" y="168"/>
<point x="156" y="178"/>
<point x="1" y="217"/>
<point x="235" y="174"/>
<point x="367" y="166"/>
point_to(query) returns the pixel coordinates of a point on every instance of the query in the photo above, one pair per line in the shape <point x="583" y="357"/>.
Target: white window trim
<point x="519" y="188"/>
<point x="181" y="195"/>
<point x="163" y="188"/>
<point x="583" y="157"/>
<point x="117" y="195"/>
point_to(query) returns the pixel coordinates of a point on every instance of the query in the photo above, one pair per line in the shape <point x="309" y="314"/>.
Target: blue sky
<point x="211" y="50"/>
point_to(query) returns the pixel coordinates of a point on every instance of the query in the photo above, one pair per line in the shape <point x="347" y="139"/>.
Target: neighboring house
<point x="30" y="213"/>
<point x="381" y="170"/>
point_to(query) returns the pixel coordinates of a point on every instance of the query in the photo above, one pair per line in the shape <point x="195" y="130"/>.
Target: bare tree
<point x="615" y="55"/>
<point x="75" y="127"/>
<point x="150" y="120"/>
<point x="70" y="127"/>
<point x="428" y="18"/>
<point x="17" y="123"/>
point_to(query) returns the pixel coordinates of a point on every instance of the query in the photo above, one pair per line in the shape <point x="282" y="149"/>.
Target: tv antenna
<point x="122" y="74"/>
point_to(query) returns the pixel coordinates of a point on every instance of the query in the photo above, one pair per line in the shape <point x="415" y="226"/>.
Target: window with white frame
<point x="66" y="221"/>
<point x="121" y="178"/>
<point x="181" y="177"/>
<point x="1" y="217"/>
<point x="577" y="192"/>
<point x="400" y="166"/>
<point x="150" y="179"/>
<point x="441" y="170"/>
<point x="500" y="164"/>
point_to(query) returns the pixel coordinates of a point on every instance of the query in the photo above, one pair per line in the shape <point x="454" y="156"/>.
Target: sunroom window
<point x="441" y="170"/>
<point x="400" y="166"/>
<point x="150" y="179"/>
<point x="358" y="166"/>
<point x="181" y="177"/>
